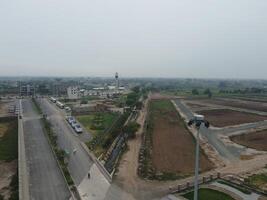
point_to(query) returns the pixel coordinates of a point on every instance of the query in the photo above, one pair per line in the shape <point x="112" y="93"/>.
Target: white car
<point x="73" y="124"/>
<point x="67" y="109"/>
<point x="78" y="129"/>
<point x="71" y="119"/>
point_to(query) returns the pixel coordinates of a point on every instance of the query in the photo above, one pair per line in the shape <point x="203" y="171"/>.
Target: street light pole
<point x="196" y="166"/>
<point x="197" y="120"/>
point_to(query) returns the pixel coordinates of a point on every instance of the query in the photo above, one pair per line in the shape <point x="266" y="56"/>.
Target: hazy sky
<point x="152" y="38"/>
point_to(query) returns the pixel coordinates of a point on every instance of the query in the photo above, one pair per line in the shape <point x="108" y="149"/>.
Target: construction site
<point x="160" y="159"/>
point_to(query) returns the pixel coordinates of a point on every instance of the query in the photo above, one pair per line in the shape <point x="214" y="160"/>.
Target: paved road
<point x="95" y="188"/>
<point x="227" y="152"/>
<point x="45" y="178"/>
<point x="78" y="163"/>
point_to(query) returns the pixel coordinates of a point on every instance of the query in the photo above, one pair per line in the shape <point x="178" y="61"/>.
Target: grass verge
<point x="239" y="188"/>
<point x="9" y="141"/>
<point x="208" y="194"/>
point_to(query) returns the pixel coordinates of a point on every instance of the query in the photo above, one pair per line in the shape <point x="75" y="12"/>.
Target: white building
<point x="73" y="93"/>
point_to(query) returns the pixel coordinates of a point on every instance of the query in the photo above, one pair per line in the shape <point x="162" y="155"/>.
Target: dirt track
<point x="255" y="140"/>
<point x="225" y="117"/>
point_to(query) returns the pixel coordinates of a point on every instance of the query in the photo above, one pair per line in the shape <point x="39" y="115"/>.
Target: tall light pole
<point x="197" y="121"/>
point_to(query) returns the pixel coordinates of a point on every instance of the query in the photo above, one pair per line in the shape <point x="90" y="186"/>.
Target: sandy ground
<point x="127" y="171"/>
<point x="7" y="170"/>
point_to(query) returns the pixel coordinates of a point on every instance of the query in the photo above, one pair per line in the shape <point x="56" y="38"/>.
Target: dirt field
<point x="7" y="170"/>
<point x="256" y="140"/>
<point x="238" y="103"/>
<point x="194" y="106"/>
<point x="173" y="146"/>
<point x="225" y="117"/>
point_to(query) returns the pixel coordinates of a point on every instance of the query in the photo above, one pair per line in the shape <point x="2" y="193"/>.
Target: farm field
<point x="255" y="140"/>
<point x="8" y="157"/>
<point x="97" y="122"/>
<point x="209" y="194"/>
<point x="226" y="117"/>
<point x="173" y="146"/>
<point x="258" y="106"/>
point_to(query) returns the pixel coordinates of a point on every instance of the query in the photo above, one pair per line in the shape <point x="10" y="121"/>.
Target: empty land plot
<point x="8" y="157"/>
<point x="255" y="140"/>
<point x="258" y="106"/>
<point x="226" y="117"/>
<point x="173" y="146"/>
<point x="195" y="106"/>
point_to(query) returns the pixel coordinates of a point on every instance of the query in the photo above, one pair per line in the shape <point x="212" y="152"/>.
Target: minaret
<point x="117" y="80"/>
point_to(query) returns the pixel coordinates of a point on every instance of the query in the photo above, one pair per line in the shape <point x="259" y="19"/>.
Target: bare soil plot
<point x="256" y="140"/>
<point x="226" y="117"/>
<point x="195" y="106"/>
<point x="173" y="146"/>
<point x="258" y="106"/>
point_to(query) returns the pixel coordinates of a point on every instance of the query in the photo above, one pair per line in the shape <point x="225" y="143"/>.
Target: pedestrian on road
<point x="89" y="176"/>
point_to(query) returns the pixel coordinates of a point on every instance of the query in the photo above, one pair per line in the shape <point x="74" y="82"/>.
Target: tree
<point x="195" y="92"/>
<point x="208" y="92"/>
<point x="131" y="128"/>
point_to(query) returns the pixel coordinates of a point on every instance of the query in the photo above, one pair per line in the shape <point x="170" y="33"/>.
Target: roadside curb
<point x="24" y="192"/>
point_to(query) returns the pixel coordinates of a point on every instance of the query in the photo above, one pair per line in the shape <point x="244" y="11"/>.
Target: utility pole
<point x="197" y="120"/>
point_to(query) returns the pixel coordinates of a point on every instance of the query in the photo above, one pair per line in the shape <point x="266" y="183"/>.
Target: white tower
<point x="117" y="80"/>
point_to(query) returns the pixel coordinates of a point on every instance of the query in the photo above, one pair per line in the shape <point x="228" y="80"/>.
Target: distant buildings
<point x="27" y="90"/>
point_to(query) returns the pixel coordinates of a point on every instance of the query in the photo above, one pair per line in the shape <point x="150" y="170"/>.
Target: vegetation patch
<point x="257" y="181"/>
<point x="9" y="150"/>
<point x="208" y="194"/>
<point x="9" y="140"/>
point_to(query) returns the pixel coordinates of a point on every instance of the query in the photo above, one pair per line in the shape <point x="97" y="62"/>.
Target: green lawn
<point x="97" y="123"/>
<point x="161" y="106"/>
<point x="209" y="194"/>
<point x="9" y="142"/>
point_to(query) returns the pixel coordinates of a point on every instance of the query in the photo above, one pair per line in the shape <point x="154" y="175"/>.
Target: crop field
<point x="258" y="106"/>
<point x="173" y="146"/>
<point x="256" y="140"/>
<point x="226" y="117"/>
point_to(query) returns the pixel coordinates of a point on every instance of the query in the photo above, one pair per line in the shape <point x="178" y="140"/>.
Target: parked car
<point x="73" y="124"/>
<point x="78" y="129"/>
<point x="68" y="109"/>
<point x="71" y="119"/>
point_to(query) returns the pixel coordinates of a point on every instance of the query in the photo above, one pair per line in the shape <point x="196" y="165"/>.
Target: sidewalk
<point x="94" y="188"/>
